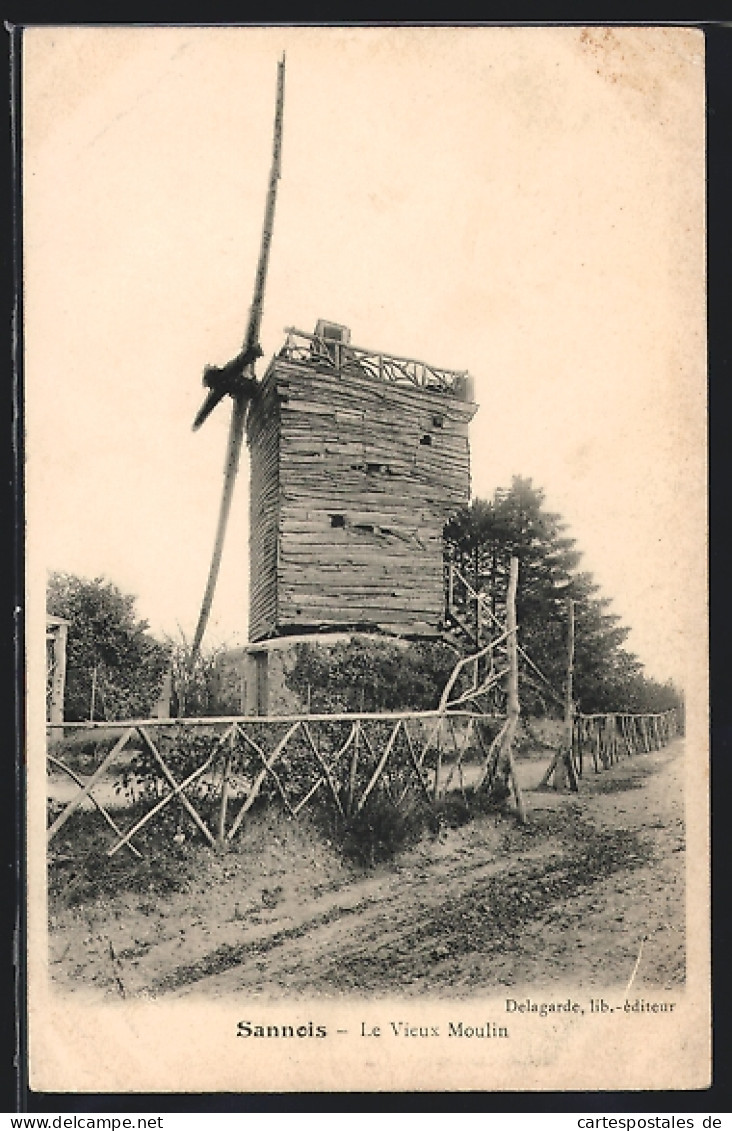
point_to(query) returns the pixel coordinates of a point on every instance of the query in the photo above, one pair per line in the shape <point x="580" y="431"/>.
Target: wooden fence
<point x="604" y="739"/>
<point x="209" y="773"/>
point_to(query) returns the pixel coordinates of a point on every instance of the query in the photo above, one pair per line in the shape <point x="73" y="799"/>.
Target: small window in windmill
<point x="426" y="440"/>
<point x="438" y="420"/>
<point x="337" y="520"/>
<point x="365" y="527"/>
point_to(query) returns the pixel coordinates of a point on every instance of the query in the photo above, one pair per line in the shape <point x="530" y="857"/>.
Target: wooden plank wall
<point x="264" y="494"/>
<point x="368" y="474"/>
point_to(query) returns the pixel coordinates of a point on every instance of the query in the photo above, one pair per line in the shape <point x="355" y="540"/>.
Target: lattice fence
<point x="604" y="739"/>
<point x="210" y="774"/>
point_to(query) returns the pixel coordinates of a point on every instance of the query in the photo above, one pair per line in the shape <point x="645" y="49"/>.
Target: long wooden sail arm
<point x="236" y="378"/>
<point x="251" y="339"/>
<point x="231" y="466"/>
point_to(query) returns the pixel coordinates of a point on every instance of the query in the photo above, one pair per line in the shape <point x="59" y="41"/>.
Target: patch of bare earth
<point x="575" y="896"/>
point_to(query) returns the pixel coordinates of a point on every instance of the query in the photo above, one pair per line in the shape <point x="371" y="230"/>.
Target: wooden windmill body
<point x="357" y="460"/>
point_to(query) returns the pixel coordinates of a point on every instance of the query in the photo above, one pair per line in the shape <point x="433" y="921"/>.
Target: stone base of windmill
<point x="253" y="680"/>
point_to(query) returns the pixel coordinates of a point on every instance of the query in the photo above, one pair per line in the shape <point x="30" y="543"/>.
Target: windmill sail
<point x="237" y="378"/>
<point x="251" y="340"/>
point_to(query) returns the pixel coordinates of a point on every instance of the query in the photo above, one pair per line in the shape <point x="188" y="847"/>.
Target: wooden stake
<point x="225" y="786"/>
<point x="356" y="731"/>
<point x="381" y="764"/>
<point x="512" y="692"/>
<point x="93" y="693"/>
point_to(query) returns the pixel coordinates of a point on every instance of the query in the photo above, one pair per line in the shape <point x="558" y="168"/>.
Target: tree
<point x="114" y="667"/>
<point x="482" y="538"/>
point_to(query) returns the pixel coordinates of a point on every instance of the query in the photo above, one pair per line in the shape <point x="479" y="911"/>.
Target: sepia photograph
<point x="365" y="461"/>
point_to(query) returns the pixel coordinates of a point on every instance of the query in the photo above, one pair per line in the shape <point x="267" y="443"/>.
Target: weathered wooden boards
<point x="352" y="481"/>
<point x="262" y="437"/>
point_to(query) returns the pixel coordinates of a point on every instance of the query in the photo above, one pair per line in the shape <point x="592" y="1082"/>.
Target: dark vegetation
<point x="372" y="677"/>
<point x="114" y="666"/>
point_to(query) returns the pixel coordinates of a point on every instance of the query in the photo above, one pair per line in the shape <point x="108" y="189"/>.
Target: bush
<point x="80" y="871"/>
<point x="377" y="833"/>
<point x="372" y="675"/>
<point x="112" y="660"/>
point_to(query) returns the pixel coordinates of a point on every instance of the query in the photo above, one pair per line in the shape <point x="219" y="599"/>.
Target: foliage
<point x="371" y="675"/>
<point x="195" y="681"/>
<point x="482" y="538"/>
<point x="112" y="661"/>
<point x="378" y="832"/>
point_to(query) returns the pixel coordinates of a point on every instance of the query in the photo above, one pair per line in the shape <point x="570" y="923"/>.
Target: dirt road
<point x="572" y="897"/>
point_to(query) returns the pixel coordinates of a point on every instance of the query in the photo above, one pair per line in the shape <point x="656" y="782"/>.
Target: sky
<point x="524" y="203"/>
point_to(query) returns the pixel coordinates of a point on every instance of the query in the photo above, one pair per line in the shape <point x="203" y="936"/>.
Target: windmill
<point x="237" y="378"/>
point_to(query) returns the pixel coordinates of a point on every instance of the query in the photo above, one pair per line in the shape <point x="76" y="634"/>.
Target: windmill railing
<point x="204" y="777"/>
<point x="356" y="360"/>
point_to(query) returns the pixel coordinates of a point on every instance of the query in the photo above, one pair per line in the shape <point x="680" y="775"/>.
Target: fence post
<point x="565" y="771"/>
<point x="353" y="765"/>
<point x="225" y="787"/>
<point x="92" y="701"/>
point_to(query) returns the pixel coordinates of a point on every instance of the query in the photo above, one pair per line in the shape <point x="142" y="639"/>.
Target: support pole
<point x="93" y="694"/>
<point x="565" y="773"/>
<point x="58" y="637"/>
<point x="562" y="768"/>
<point x="512" y="691"/>
<point x="353" y="766"/>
